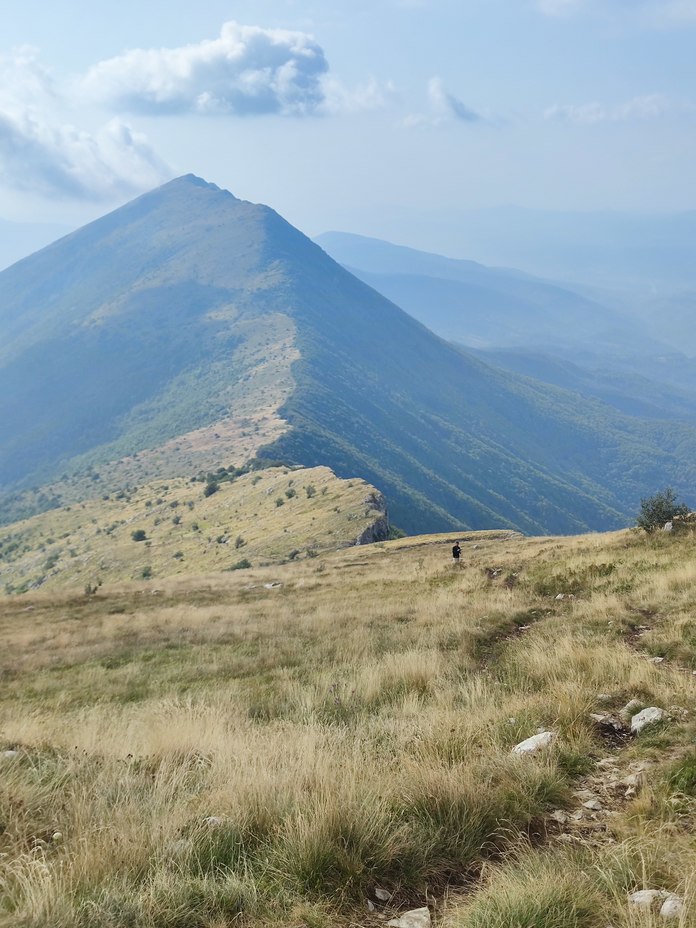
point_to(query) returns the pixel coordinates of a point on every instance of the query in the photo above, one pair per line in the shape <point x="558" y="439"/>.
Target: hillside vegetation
<point x="181" y="527"/>
<point x="276" y="746"/>
<point x="189" y="329"/>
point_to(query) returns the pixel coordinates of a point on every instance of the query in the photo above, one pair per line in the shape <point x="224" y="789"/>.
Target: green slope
<point x="187" y="309"/>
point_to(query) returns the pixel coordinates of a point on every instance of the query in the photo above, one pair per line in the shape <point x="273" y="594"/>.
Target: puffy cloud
<point x="41" y="155"/>
<point x="247" y="70"/>
<point x="62" y="161"/>
<point x="651" y="106"/>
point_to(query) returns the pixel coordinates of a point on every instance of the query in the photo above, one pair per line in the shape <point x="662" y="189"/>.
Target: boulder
<point x="536" y="743"/>
<point x="672" y="907"/>
<point x="646" y="898"/>
<point x="647" y="717"/>
<point x="414" y="918"/>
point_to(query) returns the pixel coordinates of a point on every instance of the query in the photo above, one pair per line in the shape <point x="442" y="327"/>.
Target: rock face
<point x="647" y="717"/>
<point x="536" y="743"/>
<point x="379" y="530"/>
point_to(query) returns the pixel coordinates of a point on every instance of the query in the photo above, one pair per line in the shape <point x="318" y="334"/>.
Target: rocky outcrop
<point x="379" y="529"/>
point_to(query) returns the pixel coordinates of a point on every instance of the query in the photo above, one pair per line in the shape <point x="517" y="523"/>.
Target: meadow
<point x="275" y="745"/>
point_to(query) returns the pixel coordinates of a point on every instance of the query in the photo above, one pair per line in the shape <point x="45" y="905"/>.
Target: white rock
<point x="647" y="717"/>
<point x="560" y="596"/>
<point x="382" y="894"/>
<point x="656" y="660"/>
<point x="672" y="907"/>
<point x="644" y="898"/>
<point x="415" y="918"/>
<point x="9" y="755"/>
<point x="536" y="743"/>
<point x="558" y="815"/>
<point x="668" y="526"/>
<point x="214" y="821"/>
<point x="594" y="805"/>
<point x="370" y="905"/>
<point x="57" y="837"/>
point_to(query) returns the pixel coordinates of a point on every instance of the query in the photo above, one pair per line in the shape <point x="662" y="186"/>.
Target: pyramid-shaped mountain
<point x="190" y="329"/>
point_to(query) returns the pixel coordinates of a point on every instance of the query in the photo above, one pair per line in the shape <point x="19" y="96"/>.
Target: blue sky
<point x="356" y="115"/>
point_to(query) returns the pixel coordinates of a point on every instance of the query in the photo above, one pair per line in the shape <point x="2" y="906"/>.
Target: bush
<point x="239" y="542"/>
<point x="310" y="490"/>
<point x="212" y="486"/>
<point x="139" y="534"/>
<point x="656" y="510"/>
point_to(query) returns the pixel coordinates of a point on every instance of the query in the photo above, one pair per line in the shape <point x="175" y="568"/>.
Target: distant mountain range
<point x="166" y="336"/>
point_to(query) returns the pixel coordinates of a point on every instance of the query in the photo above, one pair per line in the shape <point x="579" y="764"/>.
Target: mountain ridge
<point x="190" y="310"/>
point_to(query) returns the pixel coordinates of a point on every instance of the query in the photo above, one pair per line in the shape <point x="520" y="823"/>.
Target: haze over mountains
<point x="620" y="349"/>
<point x="188" y="325"/>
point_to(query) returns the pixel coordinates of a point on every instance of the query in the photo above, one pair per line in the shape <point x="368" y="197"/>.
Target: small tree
<point x="139" y="534"/>
<point x="212" y="486"/>
<point x="659" y="509"/>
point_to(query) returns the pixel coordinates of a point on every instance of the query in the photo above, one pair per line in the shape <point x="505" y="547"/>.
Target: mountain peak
<point x="192" y="180"/>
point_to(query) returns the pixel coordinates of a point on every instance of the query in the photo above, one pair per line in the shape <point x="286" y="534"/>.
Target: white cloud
<point x="41" y="154"/>
<point x="445" y="104"/>
<point x="371" y="95"/>
<point x="650" y="106"/>
<point x="247" y="70"/>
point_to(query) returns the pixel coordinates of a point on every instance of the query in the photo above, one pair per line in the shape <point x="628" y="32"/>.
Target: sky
<point x="370" y="116"/>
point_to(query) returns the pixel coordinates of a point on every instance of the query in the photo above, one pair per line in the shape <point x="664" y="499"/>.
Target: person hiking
<point x="456" y="553"/>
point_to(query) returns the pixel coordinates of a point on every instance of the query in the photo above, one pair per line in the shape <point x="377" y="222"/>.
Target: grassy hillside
<point x="329" y="742"/>
<point x="165" y="529"/>
<point x="188" y="329"/>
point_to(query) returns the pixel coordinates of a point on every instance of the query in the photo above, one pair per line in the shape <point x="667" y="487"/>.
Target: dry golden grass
<point x="260" y="517"/>
<point x="349" y="727"/>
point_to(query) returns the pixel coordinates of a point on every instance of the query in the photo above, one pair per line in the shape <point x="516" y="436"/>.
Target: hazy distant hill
<point x="476" y="305"/>
<point x="158" y="338"/>
<point x="626" y="350"/>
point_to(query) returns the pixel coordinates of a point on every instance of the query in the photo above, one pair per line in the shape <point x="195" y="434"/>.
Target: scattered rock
<point x="604" y="697"/>
<point x="414" y="918"/>
<point x="558" y="815"/>
<point x="560" y="596"/>
<point x="9" y="755"/>
<point x="370" y="905"/>
<point x="213" y="821"/>
<point x="672" y="907"/>
<point x="647" y="717"/>
<point x="656" y="660"/>
<point x="645" y="898"/>
<point x="272" y="586"/>
<point x="382" y="894"/>
<point x="57" y="837"/>
<point x="594" y="805"/>
<point x="536" y="743"/>
<point x="668" y="527"/>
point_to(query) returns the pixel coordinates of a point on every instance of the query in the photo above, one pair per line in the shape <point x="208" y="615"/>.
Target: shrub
<point x="244" y="564"/>
<point x="139" y="534"/>
<point x="310" y="490"/>
<point x="239" y="542"/>
<point x="279" y="501"/>
<point x="290" y="492"/>
<point x="212" y="486"/>
<point x="656" y="510"/>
